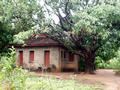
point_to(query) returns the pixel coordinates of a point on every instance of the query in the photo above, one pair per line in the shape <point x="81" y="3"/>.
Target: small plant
<point x="12" y="77"/>
<point x="100" y="63"/>
<point x="7" y="63"/>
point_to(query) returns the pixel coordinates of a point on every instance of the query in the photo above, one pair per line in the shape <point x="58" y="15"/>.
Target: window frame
<point x="33" y="57"/>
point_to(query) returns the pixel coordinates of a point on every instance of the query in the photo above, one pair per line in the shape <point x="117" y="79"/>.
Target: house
<point x="44" y="51"/>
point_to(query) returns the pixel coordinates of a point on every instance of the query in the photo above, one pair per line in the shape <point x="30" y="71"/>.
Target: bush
<point x="12" y="77"/>
<point x="110" y="64"/>
<point x="118" y="63"/>
<point x="100" y="63"/>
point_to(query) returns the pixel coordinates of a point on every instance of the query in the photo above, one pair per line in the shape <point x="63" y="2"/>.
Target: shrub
<point x="118" y="63"/>
<point x="110" y="64"/>
<point x="100" y="63"/>
<point x="12" y="77"/>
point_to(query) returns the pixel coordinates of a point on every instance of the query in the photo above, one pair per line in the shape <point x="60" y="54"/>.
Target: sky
<point x="53" y="16"/>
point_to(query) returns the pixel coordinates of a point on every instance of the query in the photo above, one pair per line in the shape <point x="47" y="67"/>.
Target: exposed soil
<point x="103" y="76"/>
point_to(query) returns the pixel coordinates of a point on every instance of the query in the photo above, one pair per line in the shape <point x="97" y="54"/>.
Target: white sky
<point x="53" y="16"/>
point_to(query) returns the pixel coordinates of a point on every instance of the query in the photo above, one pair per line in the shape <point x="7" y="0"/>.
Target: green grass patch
<point x="49" y="83"/>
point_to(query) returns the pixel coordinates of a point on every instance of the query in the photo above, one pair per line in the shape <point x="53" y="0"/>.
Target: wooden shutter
<point x="47" y="58"/>
<point x="21" y="58"/>
<point x="31" y="56"/>
<point x="71" y="57"/>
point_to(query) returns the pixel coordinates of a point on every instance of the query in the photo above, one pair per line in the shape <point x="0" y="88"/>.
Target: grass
<point x="50" y="83"/>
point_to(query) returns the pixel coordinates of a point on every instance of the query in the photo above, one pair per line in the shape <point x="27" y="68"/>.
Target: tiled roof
<point x="41" y="40"/>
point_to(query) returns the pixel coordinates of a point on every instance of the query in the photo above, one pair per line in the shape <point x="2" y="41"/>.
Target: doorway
<point x="21" y="58"/>
<point x="47" y="58"/>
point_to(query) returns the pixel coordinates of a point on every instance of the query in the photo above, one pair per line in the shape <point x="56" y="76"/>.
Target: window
<point x="71" y="57"/>
<point x="31" y="56"/>
<point x="65" y="54"/>
<point x="21" y="58"/>
<point x="47" y="58"/>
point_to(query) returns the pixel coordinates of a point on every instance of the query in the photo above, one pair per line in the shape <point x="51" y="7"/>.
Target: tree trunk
<point x="89" y="64"/>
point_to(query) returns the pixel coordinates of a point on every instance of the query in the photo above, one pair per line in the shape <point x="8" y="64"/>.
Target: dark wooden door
<point x="71" y="57"/>
<point x="47" y="58"/>
<point x="21" y="58"/>
<point x="31" y="56"/>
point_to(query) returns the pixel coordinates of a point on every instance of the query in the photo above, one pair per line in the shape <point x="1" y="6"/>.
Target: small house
<point x="43" y="51"/>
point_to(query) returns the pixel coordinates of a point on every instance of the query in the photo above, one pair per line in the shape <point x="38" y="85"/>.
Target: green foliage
<point x="7" y="62"/>
<point x="18" y="16"/>
<point x="96" y="23"/>
<point x="12" y="77"/>
<point x="5" y="36"/>
<point x="88" y="26"/>
<point x="113" y="63"/>
<point x="19" y="38"/>
<point x="100" y="63"/>
<point x="118" y="61"/>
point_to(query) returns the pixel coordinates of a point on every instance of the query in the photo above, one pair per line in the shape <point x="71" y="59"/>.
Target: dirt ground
<point x="103" y="76"/>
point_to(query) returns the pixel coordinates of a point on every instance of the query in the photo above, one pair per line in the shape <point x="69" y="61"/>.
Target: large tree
<point x="85" y="26"/>
<point x="18" y="16"/>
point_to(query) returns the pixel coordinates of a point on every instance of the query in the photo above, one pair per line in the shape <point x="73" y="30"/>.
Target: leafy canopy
<point x="86" y="26"/>
<point x="18" y="16"/>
